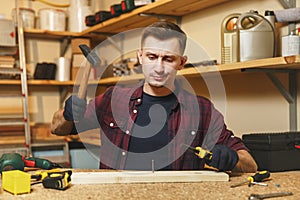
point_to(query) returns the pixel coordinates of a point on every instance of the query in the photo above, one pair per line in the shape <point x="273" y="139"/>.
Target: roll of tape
<point x="63" y="69"/>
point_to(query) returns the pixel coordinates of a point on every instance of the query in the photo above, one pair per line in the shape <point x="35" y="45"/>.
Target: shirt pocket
<point x="113" y="129"/>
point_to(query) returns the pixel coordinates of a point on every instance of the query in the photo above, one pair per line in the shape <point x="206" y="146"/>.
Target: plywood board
<point x="147" y="177"/>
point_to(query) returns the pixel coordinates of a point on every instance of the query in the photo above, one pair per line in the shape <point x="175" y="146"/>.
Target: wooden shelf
<point x="268" y="63"/>
<point x="37" y="82"/>
<point x="131" y="19"/>
<point x="292" y="62"/>
<point x="45" y="34"/>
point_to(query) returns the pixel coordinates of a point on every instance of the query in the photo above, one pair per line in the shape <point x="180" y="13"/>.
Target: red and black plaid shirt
<point x="193" y="121"/>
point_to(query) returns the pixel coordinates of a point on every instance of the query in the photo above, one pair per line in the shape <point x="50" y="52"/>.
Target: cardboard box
<point x="7" y="33"/>
<point x="78" y="60"/>
<point x="74" y="72"/>
<point x="75" y="42"/>
<point x="274" y="151"/>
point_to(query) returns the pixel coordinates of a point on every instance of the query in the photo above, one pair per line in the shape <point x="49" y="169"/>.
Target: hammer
<point x="94" y="61"/>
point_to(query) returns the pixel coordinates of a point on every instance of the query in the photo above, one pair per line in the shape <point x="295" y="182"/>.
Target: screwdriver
<point x="200" y="152"/>
<point x="258" y="177"/>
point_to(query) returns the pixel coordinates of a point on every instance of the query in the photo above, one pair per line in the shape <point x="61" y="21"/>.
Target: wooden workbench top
<point x="283" y="181"/>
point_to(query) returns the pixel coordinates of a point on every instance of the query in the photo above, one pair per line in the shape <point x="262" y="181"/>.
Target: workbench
<point x="280" y="181"/>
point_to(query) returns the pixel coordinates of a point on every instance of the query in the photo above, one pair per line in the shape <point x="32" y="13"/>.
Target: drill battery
<point x="99" y="17"/>
<point x="116" y="10"/>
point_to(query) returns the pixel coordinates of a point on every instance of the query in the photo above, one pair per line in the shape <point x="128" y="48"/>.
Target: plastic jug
<point x="229" y="38"/>
<point x="256" y="37"/>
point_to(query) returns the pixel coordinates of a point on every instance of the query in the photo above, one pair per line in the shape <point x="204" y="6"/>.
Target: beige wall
<point x="252" y="103"/>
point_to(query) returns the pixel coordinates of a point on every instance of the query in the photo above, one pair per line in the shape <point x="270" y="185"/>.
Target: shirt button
<point x="139" y="100"/>
<point x="232" y="136"/>
<point x="134" y="111"/>
<point x="127" y="132"/>
<point x="123" y="153"/>
<point x="193" y="132"/>
<point x="111" y="124"/>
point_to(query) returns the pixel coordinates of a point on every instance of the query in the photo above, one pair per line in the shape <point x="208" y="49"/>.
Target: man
<point x="148" y="126"/>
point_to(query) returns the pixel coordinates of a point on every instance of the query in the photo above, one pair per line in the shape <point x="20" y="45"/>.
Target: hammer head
<point x="90" y="55"/>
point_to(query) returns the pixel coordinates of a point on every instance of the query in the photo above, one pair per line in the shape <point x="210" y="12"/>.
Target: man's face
<point x="160" y="61"/>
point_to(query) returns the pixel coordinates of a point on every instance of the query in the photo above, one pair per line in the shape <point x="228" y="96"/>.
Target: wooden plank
<point x="292" y="62"/>
<point x="147" y="177"/>
<point x="181" y="8"/>
<point x="40" y="34"/>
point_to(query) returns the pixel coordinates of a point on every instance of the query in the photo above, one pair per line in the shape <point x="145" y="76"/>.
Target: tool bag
<point x="274" y="151"/>
<point x="45" y="71"/>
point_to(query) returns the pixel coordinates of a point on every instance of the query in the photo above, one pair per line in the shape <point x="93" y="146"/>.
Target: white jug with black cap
<point x="256" y="37"/>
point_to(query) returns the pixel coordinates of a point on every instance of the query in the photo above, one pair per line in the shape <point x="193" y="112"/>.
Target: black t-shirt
<point x="150" y="132"/>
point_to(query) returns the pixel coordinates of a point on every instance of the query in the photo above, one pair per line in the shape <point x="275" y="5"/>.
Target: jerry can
<point x="256" y="37"/>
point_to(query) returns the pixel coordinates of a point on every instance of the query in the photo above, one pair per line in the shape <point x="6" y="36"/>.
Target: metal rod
<point x="280" y="87"/>
<point x="22" y="61"/>
<point x="289" y="94"/>
<point x="293" y="104"/>
<point x="152" y="166"/>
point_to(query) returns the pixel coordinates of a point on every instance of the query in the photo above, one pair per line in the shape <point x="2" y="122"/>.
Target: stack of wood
<point x="7" y="61"/>
<point x="15" y="134"/>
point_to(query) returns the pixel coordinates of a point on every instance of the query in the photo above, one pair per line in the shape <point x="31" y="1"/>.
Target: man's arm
<point x="246" y="163"/>
<point x="59" y="125"/>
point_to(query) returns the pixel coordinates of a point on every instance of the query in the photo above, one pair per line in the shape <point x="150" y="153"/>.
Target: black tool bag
<point x="274" y="151"/>
<point x="45" y="71"/>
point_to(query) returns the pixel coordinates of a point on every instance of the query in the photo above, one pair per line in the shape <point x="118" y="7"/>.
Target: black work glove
<point x="223" y="158"/>
<point x="74" y="108"/>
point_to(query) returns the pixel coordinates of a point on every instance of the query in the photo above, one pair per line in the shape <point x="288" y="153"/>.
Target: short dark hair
<point x="164" y="30"/>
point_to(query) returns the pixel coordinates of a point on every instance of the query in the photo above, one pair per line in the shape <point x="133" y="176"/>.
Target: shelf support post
<point x="289" y="94"/>
<point x="293" y="105"/>
<point x="64" y="46"/>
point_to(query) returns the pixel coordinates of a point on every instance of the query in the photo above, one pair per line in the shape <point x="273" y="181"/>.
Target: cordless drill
<point x="15" y="161"/>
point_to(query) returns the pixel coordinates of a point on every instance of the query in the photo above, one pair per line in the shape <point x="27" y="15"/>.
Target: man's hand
<point x="74" y="108"/>
<point x="223" y="158"/>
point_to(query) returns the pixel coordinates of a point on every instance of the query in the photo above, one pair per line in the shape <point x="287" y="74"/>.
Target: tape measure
<point x="57" y="180"/>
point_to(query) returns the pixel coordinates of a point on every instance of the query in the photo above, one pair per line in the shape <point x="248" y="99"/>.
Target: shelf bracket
<point x="118" y="47"/>
<point x="64" y="45"/>
<point x="288" y="3"/>
<point x="162" y="17"/>
<point x="289" y="94"/>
